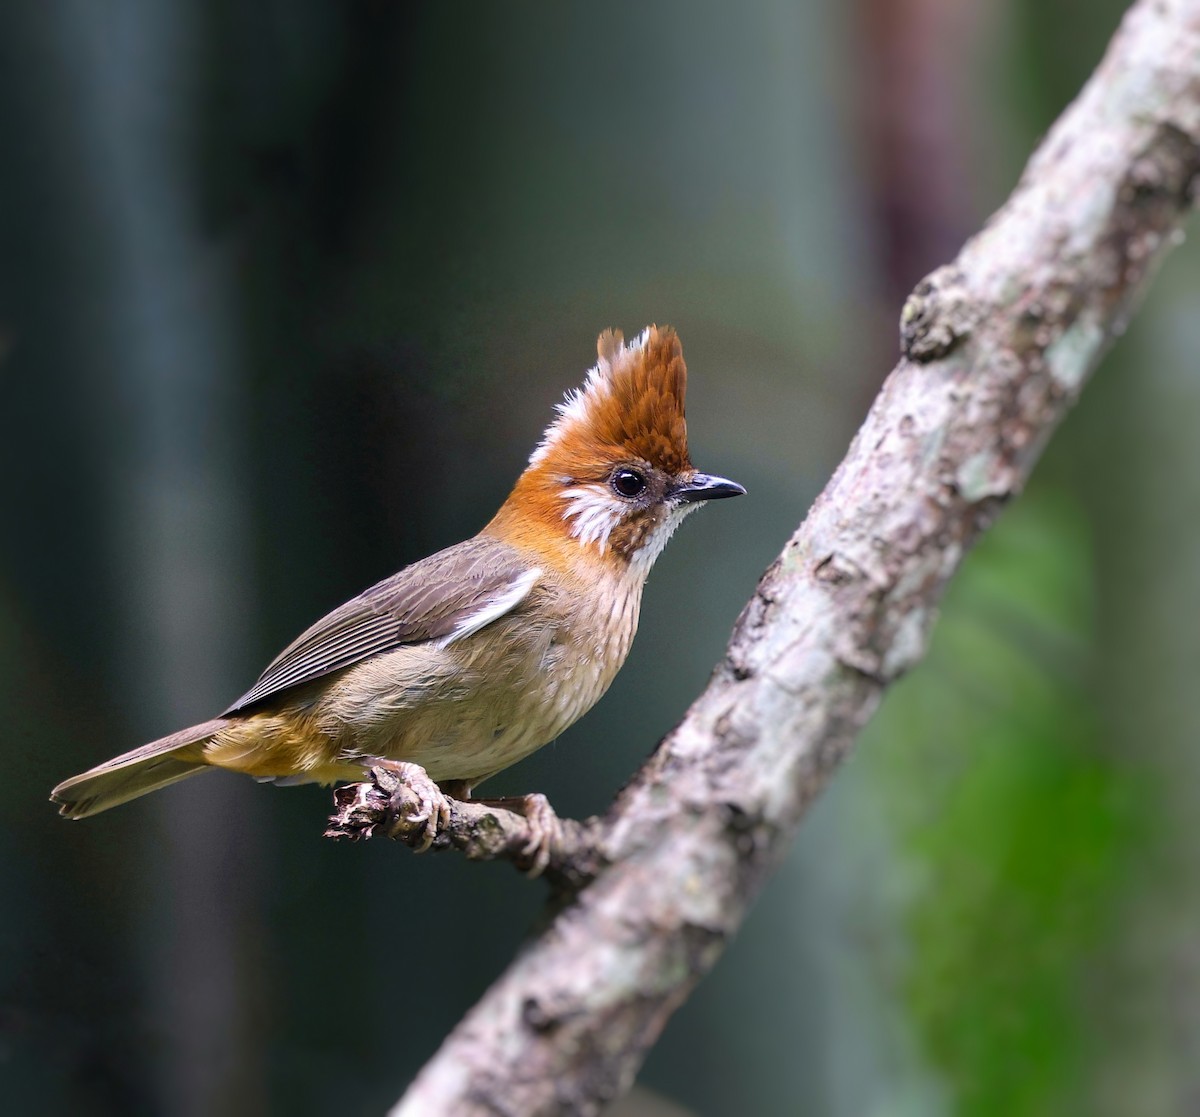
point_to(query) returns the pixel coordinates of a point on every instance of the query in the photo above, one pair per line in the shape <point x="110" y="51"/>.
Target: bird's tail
<point x="135" y="773"/>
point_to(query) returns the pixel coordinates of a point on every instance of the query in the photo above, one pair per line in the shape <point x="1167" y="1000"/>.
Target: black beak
<point x="703" y="486"/>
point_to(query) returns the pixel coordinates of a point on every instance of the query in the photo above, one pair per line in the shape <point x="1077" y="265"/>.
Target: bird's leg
<point x="403" y="799"/>
<point x="409" y="782"/>
<point x="545" y="827"/>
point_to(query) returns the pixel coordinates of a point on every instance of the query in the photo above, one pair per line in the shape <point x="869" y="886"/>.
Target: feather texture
<point x="137" y="772"/>
<point x="443" y="597"/>
<point x="630" y="406"/>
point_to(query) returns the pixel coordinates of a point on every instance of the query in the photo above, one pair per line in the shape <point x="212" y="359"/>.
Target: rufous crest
<point x="630" y="406"/>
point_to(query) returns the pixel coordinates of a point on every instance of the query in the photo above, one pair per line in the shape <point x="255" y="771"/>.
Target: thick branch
<point x="996" y="348"/>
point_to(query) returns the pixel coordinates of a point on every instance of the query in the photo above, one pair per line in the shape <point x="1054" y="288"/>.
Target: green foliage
<point x="1013" y="821"/>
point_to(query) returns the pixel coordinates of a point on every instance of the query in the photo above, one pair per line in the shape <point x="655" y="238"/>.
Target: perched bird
<point x="465" y="662"/>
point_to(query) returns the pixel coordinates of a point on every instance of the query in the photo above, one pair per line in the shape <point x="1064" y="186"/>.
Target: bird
<point x="465" y="662"/>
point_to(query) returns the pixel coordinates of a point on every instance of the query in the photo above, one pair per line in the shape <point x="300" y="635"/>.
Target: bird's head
<point x="611" y="475"/>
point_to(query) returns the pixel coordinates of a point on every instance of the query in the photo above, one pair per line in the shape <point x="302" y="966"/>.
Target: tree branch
<point x="484" y="831"/>
<point x="996" y="348"/>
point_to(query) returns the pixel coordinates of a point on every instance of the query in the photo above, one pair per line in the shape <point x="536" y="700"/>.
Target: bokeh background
<point x="287" y="293"/>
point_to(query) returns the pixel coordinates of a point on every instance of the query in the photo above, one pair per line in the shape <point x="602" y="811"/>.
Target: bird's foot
<point x="545" y="827"/>
<point x="401" y="801"/>
<point x="416" y="805"/>
<point x="400" y="798"/>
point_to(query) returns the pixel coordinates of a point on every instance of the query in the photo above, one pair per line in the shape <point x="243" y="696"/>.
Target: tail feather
<point x="135" y="773"/>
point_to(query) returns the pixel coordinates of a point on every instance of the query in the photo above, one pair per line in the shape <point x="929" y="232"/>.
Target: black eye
<point x="628" y="482"/>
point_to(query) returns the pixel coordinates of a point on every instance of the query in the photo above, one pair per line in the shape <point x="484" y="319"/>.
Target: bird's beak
<point x="704" y="486"/>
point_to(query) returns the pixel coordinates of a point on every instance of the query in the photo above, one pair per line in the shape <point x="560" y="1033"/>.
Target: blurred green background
<point x="287" y="293"/>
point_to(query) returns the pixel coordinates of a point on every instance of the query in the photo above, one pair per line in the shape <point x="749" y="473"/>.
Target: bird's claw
<point x="416" y="805"/>
<point x="545" y="832"/>
<point x="403" y="801"/>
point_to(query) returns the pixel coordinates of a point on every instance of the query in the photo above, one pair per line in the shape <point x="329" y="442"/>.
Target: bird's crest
<point x="630" y="405"/>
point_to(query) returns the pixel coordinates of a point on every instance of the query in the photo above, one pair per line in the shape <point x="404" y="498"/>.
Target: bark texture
<point x="996" y="347"/>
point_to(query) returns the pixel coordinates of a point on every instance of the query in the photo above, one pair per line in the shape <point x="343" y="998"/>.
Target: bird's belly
<point x="462" y="711"/>
<point x="468" y="724"/>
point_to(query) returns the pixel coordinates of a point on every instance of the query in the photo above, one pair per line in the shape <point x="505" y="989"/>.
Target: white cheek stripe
<point x="595" y="513"/>
<point x="496" y="608"/>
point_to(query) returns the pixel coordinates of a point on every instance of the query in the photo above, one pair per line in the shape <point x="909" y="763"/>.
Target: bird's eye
<point x="628" y="482"/>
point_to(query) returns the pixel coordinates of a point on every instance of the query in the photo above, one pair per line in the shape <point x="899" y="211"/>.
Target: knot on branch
<point x="1166" y="171"/>
<point x="1156" y="193"/>
<point x="937" y="316"/>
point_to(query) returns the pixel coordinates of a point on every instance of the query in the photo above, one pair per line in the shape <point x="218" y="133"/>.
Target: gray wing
<point x="444" y="597"/>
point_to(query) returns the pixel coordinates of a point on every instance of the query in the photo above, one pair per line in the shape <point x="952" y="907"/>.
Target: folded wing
<point x="444" y="598"/>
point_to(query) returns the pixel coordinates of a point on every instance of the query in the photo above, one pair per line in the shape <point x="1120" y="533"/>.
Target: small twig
<point x="386" y="806"/>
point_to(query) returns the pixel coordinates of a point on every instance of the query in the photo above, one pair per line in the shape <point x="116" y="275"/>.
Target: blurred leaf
<point x="1013" y="820"/>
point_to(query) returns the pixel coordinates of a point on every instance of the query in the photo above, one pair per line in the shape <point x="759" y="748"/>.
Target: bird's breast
<point x="473" y="707"/>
